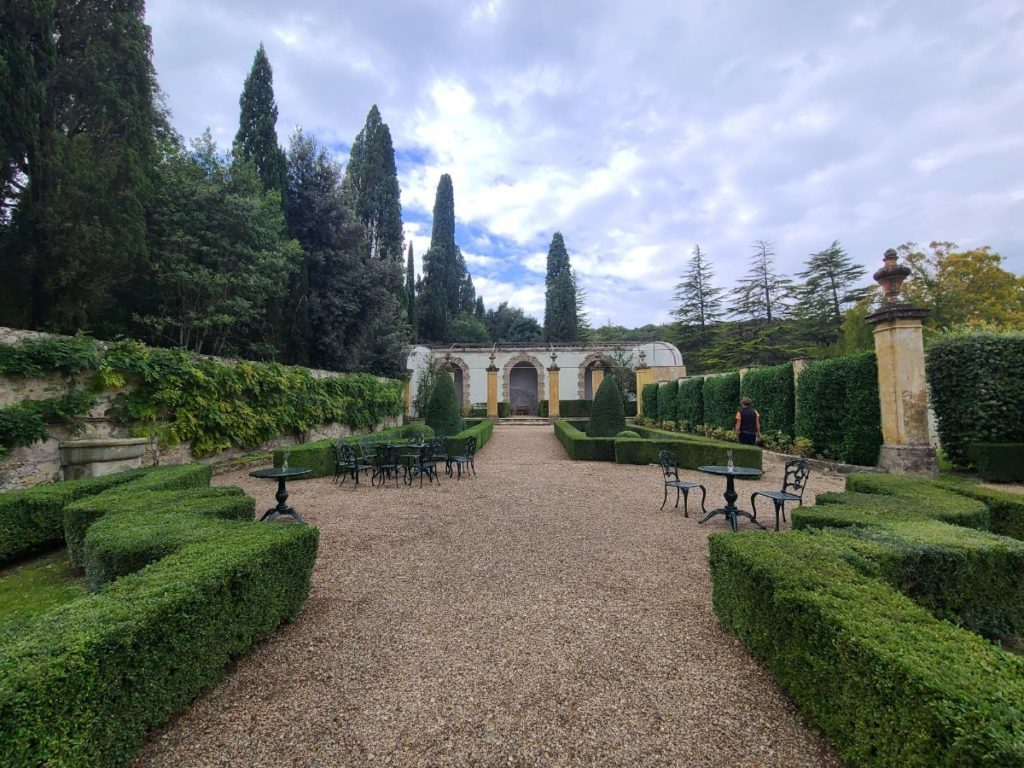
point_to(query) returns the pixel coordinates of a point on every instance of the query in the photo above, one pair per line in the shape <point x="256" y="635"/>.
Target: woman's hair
<point x="745" y="401"/>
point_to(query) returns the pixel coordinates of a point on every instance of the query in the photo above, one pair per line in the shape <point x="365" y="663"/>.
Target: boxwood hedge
<point x="690" y="401"/>
<point x="977" y="387"/>
<point x="573" y="437"/>
<point x="668" y="394"/>
<point x="890" y="684"/>
<point x="771" y="390"/>
<point x="649" y="396"/>
<point x="721" y="400"/>
<point x="1006" y="509"/>
<point x="998" y="462"/>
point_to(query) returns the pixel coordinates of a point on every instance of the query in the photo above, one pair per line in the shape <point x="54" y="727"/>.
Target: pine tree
<point x="829" y="287"/>
<point x="80" y="225"/>
<point x="410" y="292"/>
<point x="562" y="301"/>
<point x="257" y="124"/>
<point x="699" y="301"/>
<point x="761" y="295"/>
<point x="371" y="179"/>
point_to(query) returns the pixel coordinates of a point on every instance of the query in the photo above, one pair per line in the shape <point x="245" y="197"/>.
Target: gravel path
<point x="542" y="613"/>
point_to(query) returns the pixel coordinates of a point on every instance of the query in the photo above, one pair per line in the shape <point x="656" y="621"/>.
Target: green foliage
<point x="838" y="408"/>
<point x="481" y="430"/>
<point x="836" y="640"/>
<point x="721" y="400"/>
<point x="562" y="315"/>
<point x="607" y="416"/>
<point x="668" y="395"/>
<point x="25" y="423"/>
<point x="34" y="357"/>
<point x="998" y="462"/>
<point x="649" y="396"/>
<point x="442" y="412"/>
<point x="216" y="406"/>
<point x="771" y="389"/>
<point x="977" y="385"/>
<point x="692" y="451"/>
<point x="699" y="301"/>
<point x="511" y="324"/>
<point x="417" y="430"/>
<point x="319" y="456"/>
<point x="760" y="296"/>
<point x="690" y="401"/>
<point x="446" y="282"/>
<point x="580" y="446"/>
<point x="256" y="139"/>
<point x="35" y="588"/>
<point x="830" y="285"/>
<point x="1006" y="508"/>
<point x="628" y="433"/>
<point x="172" y="628"/>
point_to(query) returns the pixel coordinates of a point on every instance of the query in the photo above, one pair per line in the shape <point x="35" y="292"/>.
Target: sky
<point x="640" y="129"/>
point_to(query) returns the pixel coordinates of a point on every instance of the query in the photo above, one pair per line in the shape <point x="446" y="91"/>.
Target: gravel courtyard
<point x="544" y="613"/>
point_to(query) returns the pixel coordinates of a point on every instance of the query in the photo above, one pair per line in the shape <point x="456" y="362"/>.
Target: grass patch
<point x="35" y="587"/>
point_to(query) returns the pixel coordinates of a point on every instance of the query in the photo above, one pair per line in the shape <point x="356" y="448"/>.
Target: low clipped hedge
<point x="838" y="408"/>
<point x="890" y="684"/>
<point x="976" y="385"/>
<point x="573" y="437"/>
<point x="692" y="450"/>
<point x="721" y="400"/>
<point x="690" y="401"/>
<point x="771" y="390"/>
<point x="319" y="456"/>
<point x="1006" y="509"/>
<point x="998" y="462"/>
<point x="184" y="592"/>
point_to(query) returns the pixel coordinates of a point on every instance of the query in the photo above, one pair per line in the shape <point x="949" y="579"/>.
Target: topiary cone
<point x="442" y="413"/>
<point x="607" y="416"/>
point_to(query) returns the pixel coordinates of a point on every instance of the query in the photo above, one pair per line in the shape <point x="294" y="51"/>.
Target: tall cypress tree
<point x="371" y="179"/>
<point x="257" y="124"/>
<point x="410" y="292"/>
<point x="561" y="300"/>
<point x="447" y="287"/>
<point x="80" y="226"/>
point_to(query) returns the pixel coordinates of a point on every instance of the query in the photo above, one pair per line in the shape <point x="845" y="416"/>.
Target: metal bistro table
<point x="730" y="510"/>
<point x="281" y="474"/>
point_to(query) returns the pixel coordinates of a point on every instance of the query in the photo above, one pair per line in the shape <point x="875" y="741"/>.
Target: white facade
<point x="523" y="368"/>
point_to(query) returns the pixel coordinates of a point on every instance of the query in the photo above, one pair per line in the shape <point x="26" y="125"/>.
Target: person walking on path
<point x="748" y="423"/>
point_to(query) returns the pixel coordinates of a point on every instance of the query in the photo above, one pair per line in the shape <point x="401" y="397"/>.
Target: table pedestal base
<point x="282" y="509"/>
<point x="730" y="510"/>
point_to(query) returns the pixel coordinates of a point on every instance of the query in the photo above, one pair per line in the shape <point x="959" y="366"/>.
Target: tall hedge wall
<point x="837" y="408"/>
<point x="690" y="401"/>
<point x="649" y="396"/>
<point x="721" y="400"/>
<point x="771" y="389"/>
<point x="977" y="390"/>
<point x="667" y="396"/>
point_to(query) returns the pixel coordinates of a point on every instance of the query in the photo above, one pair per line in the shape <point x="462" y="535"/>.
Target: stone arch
<point x="511" y="363"/>
<point x="587" y="361"/>
<point x="463" y="373"/>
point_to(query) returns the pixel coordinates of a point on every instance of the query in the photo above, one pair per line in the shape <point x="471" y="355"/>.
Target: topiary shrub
<point x="649" y="398"/>
<point x="628" y="433"/>
<point x="838" y="408"/>
<point x="690" y="402"/>
<point x="977" y="385"/>
<point x="721" y="400"/>
<point x="417" y="431"/>
<point x="442" y="414"/>
<point x="667" y="395"/>
<point x="607" y="416"/>
<point x="771" y="389"/>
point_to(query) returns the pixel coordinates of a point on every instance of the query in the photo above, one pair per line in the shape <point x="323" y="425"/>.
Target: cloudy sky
<point x="640" y="128"/>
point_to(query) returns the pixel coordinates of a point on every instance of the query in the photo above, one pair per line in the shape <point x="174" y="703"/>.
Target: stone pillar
<point x="902" y="388"/>
<point x="407" y="391"/>
<point x="743" y="372"/>
<point x="644" y="376"/>
<point x="492" y="389"/>
<point x="799" y="363"/>
<point x="554" y="407"/>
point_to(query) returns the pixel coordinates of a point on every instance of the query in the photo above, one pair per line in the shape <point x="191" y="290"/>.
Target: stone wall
<point x="40" y="462"/>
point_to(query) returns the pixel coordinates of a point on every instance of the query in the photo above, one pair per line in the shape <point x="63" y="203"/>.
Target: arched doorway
<point x="457" y="377"/>
<point x="523" y="391"/>
<point x="588" y="378"/>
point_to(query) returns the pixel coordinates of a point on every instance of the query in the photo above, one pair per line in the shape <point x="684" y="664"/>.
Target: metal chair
<point x="429" y="454"/>
<point x="348" y="463"/>
<point x="460" y="460"/>
<point x="670" y="472"/>
<point x="385" y="465"/>
<point x="793" y="483"/>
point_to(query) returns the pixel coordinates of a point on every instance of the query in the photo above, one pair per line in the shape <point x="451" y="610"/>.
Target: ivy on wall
<point x="977" y="390"/>
<point x="771" y="390"/>
<point x="34" y="357"/>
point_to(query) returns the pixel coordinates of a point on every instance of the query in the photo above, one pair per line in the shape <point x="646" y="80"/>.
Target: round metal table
<point x="730" y="510"/>
<point x="281" y="475"/>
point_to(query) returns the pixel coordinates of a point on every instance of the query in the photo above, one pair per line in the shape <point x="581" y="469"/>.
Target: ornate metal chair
<point x="429" y="454"/>
<point x="386" y="465"/>
<point x="670" y="472"/>
<point x="461" y="459"/>
<point x="793" y="483"/>
<point x="348" y="463"/>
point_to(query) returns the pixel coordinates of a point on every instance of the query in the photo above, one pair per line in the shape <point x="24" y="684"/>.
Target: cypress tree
<point x="447" y="287"/>
<point x="561" y="301"/>
<point x="80" y="226"/>
<point x="410" y="292"/>
<point x="442" y="412"/>
<point x="257" y="124"/>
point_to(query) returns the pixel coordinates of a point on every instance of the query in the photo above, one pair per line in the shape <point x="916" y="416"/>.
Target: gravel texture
<point x="544" y="612"/>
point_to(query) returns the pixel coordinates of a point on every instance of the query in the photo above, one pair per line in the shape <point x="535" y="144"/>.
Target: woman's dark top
<point x="748" y="426"/>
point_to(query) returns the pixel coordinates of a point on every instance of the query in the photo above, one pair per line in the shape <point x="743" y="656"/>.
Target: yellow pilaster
<point x="596" y="377"/>
<point x="553" y="395"/>
<point x="492" y="392"/>
<point x="407" y="391"/>
<point x="644" y="376"/>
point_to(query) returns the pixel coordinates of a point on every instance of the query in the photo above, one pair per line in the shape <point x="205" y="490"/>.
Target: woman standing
<point x="748" y="423"/>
